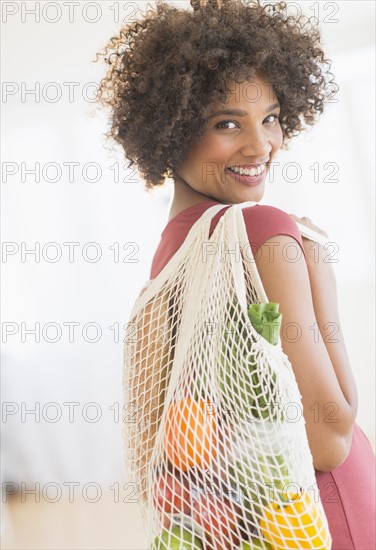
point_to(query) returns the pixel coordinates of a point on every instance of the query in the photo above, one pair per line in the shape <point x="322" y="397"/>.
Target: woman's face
<point x="243" y="131"/>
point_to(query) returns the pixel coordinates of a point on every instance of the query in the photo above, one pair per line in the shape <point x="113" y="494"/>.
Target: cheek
<point x="214" y="147"/>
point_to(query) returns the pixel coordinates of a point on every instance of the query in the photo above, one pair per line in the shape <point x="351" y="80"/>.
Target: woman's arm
<point x="325" y="302"/>
<point x="307" y="298"/>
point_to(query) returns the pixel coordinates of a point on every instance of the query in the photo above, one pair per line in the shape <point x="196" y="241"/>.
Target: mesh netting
<point x="217" y="443"/>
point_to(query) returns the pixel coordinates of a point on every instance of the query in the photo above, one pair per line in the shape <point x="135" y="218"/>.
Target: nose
<point x="255" y="143"/>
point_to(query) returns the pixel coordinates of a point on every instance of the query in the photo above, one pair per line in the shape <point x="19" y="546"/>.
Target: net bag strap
<point x="201" y="225"/>
<point x="244" y="242"/>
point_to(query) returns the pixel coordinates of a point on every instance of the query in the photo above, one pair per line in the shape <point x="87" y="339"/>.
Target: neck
<point x="184" y="197"/>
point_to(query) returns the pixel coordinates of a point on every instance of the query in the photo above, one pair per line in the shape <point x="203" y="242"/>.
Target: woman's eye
<point x="275" y="117"/>
<point x="220" y="124"/>
<point x="223" y="123"/>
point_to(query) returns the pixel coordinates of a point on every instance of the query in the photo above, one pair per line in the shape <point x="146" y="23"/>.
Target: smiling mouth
<point x="252" y="171"/>
<point x="249" y="177"/>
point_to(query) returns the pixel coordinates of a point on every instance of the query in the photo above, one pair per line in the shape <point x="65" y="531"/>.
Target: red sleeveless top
<point x="348" y="493"/>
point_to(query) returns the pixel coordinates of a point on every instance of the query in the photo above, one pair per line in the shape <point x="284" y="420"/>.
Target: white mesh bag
<point x="216" y="442"/>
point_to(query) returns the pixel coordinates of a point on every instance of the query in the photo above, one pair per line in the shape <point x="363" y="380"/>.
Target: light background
<point x="108" y="212"/>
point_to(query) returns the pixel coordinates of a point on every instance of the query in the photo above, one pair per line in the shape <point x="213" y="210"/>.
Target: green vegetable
<point x="241" y="379"/>
<point x="176" y="538"/>
<point x="272" y="478"/>
<point x="254" y="495"/>
<point x="266" y="320"/>
<point x="256" y="544"/>
<point x="274" y="475"/>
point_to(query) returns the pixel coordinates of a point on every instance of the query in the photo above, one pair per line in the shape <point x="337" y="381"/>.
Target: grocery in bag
<point x="216" y="442"/>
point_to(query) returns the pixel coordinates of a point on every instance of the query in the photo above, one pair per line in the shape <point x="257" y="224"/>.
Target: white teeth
<point x="248" y="171"/>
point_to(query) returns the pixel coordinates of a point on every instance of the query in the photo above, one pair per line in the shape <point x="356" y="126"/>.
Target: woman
<point x="208" y="97"/>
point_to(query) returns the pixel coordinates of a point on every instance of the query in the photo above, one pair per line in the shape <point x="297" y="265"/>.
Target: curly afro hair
<point x="167" y="69"/>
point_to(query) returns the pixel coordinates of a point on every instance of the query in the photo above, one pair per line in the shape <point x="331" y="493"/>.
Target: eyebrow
<point x="240" y="112"/>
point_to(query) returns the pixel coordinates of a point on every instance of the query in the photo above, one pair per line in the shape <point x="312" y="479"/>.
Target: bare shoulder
<point x="282" y="273"/>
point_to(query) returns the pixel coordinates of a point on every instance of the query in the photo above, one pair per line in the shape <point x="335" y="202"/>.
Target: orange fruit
<point x="190" y="433"/>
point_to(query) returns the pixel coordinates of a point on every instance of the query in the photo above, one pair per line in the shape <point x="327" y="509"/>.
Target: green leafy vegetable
<point x="242" y="379"/>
